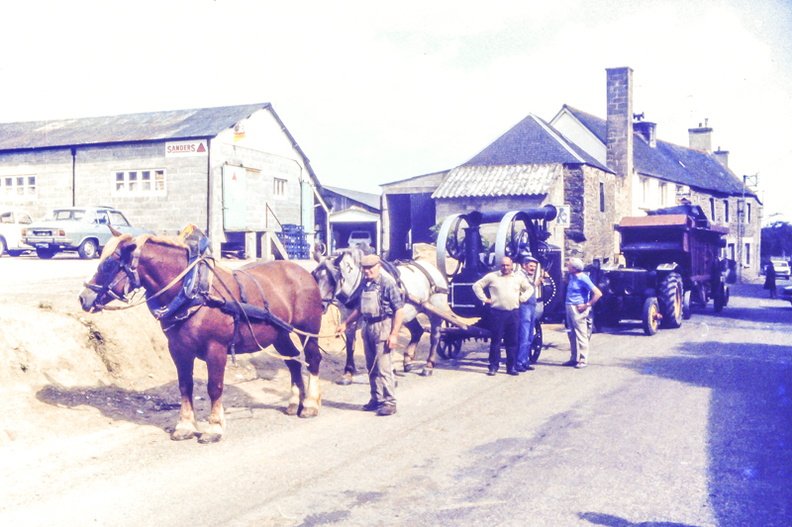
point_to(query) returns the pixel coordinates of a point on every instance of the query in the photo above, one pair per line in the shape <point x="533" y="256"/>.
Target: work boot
<point x="387" y="409"/>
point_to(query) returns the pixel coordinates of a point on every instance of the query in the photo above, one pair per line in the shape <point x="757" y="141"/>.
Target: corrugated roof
<point x="498" y="180"/>
<point x="172" y="125"/>
<point x="674" y="163"/>
<point x="366" y="198"/>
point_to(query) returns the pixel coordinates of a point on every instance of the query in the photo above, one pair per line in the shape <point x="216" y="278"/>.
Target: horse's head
<point x="116" y="276"/>
<point x="328" y="278"/>
<point x="339" y="277"/>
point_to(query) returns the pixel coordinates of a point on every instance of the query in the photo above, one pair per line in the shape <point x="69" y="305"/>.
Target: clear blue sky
<point x="376" y="92"/>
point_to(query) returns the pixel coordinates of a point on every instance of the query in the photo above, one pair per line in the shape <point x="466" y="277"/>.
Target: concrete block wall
<point x="53" y="172"/>
<point x="184" y="199"/>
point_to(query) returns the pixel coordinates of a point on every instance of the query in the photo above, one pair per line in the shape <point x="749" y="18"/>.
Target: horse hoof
<point x="427" y="372"/>
<point x="408" y="367"/>
<point x="345" y="380"/>
<point x="210" y="438"/>
<point x="309" y="412"/>
<point x="181" y="434"/>
<point x="292" y="409"/>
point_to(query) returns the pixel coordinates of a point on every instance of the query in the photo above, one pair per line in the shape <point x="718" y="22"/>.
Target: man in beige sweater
<point x="502" y="291"/>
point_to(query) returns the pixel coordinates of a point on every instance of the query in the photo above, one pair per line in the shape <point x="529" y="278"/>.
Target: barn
<point x="236" y="172"/>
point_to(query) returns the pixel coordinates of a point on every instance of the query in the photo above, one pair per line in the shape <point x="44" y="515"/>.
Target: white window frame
<point x="19" y="187"/>
<point x="140" y="182"/>
<point x="279" y="187"/>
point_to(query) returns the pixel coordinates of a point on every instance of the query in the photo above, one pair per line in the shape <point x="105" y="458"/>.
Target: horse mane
<point x="171" y="241"/>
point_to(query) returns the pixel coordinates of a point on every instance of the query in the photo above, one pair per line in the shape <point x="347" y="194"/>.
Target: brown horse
<point x="210" y="322"/>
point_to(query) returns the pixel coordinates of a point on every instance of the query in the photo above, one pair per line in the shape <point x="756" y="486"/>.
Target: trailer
<point x="465" y="254"/>
<point x="673" y="261"/>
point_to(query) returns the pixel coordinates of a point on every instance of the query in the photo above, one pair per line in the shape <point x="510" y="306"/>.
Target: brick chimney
<point x="701" y="137"/>
<point x="722" y="156"/>
<point x="648" y="131"/>
<point x="620" y="121"/>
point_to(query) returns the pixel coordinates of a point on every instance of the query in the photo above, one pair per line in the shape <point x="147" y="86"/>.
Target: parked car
<point x="785" y="293"/>
<point x="81" y="229"/>
<point x="357" y="237"/>
<point x="11" y="224"/>
<point x="781" y="269"/>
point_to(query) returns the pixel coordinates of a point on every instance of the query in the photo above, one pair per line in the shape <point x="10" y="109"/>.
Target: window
<point x="726" y="210"/>
<point x="747" y="254"/>
<point x="602" y="197"/>
<point x="18" y="186"/>
<point x="645" y="191"/>
<point x="663" y="190"/>
<point x="140" y="182"/>
<point x="748" y="212"/>
<point x="730" y="251"/>
<point x="712" y="209"/>
<point x="279" y="187"/>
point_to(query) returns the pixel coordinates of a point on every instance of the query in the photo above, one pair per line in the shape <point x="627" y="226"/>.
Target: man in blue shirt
<point x="580" y="296"/>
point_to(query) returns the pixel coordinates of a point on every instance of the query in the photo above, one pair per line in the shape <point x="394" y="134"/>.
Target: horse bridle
<point x="111" y="266"/>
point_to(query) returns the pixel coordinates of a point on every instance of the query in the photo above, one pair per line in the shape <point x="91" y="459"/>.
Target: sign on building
<point x="186" y="148"/>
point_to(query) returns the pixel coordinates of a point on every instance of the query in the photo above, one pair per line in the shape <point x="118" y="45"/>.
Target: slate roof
<point x="170" y="125"/>
<point x="670" y="162"/>
<point x="532" y="142"/>
<point x="525" y="160"/>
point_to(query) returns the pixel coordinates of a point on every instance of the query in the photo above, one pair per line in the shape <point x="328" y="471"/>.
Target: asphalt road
<point x="688" y="428"/>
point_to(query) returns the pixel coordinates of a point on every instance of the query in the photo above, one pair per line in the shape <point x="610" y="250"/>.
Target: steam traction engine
<point x="465" y="256"/>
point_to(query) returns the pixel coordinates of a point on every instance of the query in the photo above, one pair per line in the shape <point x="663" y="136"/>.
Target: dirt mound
<point x="112" y="366"/>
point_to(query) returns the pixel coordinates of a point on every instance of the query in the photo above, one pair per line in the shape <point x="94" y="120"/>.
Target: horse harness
<point x="198" y="280"/>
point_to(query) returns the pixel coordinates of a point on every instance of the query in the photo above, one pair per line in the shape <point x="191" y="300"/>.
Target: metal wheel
<point x="451" y="243"/>
<point x="536" y="345"/>
<point x="449" y="348"/>
<point x="650" y="316"/>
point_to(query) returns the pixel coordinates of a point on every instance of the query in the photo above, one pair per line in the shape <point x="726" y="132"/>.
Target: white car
<point x="358" y="237"/>
<point x="781" y="269"/>
<point x="11" y="224"/>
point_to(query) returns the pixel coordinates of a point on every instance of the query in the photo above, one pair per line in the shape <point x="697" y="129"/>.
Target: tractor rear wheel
<point x="671" y="300"/>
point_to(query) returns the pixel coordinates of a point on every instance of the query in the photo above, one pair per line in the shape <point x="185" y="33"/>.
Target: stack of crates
<point x="293" y="239"/>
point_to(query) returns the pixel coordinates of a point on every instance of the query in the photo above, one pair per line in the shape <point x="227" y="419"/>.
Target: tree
<point x="777" y="240"/>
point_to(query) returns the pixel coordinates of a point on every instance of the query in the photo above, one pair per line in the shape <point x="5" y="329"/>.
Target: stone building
<point x="235" y="172"/>
<point x="599" y="170"/>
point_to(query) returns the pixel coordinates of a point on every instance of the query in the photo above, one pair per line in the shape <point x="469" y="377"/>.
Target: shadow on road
<point x="155" y="407"/>
<point x="614" y="521"/>
<point x="750" y="426"/>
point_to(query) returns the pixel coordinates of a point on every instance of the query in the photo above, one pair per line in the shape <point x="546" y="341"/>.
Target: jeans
<point x="504" y="326"/>
<point x="527" y="322"/>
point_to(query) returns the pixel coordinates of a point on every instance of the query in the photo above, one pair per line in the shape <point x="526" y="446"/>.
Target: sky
<point x="377" y="92"/>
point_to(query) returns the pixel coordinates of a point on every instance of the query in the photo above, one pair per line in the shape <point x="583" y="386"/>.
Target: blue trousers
<point x="527" y="322"/>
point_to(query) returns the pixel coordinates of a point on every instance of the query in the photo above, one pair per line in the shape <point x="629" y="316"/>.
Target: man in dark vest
<point x="382" y="310"/>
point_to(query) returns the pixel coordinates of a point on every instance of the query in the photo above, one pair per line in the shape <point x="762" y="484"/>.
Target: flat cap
<point x="529" y="259"/>
<point x="370" y="260"/>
